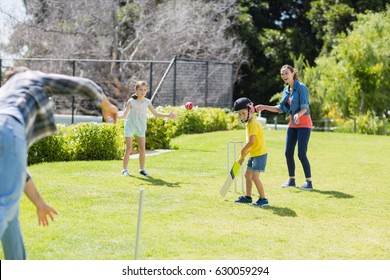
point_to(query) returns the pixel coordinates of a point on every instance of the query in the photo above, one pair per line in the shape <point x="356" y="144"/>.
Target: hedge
<point x="102" y="141"/>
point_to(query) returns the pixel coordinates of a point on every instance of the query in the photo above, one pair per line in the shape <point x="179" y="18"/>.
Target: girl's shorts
<point x="257" y="164"/>
<point x="130" y="132"/>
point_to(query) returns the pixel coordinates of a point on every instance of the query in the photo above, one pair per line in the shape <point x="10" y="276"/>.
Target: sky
<point x="11" y="11"/>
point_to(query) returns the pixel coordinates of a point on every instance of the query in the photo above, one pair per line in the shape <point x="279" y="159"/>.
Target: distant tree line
<point x="339" y="46"/>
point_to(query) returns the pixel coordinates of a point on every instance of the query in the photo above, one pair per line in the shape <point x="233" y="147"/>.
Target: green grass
<point x="345" y="217"/>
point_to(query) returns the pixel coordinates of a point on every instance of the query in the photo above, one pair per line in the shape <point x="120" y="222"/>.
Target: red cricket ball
<point x="189" y="106"/>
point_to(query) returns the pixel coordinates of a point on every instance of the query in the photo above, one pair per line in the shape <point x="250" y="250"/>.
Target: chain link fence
<point x="204" y="83"/>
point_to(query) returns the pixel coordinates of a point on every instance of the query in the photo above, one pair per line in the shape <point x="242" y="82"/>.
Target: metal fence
<point x="204" y="83"/>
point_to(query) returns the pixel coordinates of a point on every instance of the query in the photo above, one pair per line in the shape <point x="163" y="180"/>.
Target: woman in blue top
<point x="294" y="103"/>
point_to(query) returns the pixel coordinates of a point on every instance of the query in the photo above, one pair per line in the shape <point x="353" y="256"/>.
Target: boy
<point x="255" y="147"/>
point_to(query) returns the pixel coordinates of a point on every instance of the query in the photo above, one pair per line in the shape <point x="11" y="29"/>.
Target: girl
<point x="135" y="124"/>
<point x="294" y="103"/>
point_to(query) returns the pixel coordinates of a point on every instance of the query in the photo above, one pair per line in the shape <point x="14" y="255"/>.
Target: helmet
<point x="243" y="103"/>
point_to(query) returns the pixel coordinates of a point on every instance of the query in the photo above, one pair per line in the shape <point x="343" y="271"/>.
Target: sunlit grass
<point x="345" y="217"/>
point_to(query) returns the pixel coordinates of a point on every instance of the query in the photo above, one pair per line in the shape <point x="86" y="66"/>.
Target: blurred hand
<point x="44" y="211"/>
<point x="109" y="111"/>
<point x="172" y="115"/>
<point x="296" y="119"/>
<point x="259" y="108"/>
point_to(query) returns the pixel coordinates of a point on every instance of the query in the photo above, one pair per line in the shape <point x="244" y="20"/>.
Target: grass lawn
<point x="345" y="217"/>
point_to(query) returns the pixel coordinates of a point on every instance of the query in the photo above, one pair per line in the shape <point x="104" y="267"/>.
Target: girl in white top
<point x="135" y="124"/>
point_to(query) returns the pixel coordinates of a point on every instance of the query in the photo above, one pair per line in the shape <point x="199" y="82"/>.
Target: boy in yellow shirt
<point x="255" y="147"/>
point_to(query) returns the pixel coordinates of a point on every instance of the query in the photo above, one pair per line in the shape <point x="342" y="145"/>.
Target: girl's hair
<point x="14" y="70"/>
<point x="137" y="86"/>
<point x="292" y="69"/>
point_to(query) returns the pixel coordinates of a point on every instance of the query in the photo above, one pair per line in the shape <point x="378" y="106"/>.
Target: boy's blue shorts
<point x="257" y="164"/>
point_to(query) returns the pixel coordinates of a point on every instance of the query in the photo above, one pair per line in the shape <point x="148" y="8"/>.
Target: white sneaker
<point x="125" y="172"/>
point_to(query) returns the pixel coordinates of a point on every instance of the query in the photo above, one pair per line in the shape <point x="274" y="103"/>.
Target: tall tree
<point x="160" y="31"/>
<point x="127" y="30"/>
<point x="65" y="29"/>
<point x="353" y="78"/>
<point x="279" y="32"/>
<point x="275" y="32"/>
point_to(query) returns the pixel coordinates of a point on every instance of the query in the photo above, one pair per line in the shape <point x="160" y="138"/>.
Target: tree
<point x="65" y="29"/>
<point x="126" y="30"/>
<point x="194" y="29"/>
<point x="353" y="79"/>
<point x="278" y="32"/>
<point x="275" y="32"/>
<point x="191" y="29"/>
<point x="328" y="19"/>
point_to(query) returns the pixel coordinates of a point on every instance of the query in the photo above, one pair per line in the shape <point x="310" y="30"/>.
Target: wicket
<point x="139" y="222"/>
<point x="229" y="166"/>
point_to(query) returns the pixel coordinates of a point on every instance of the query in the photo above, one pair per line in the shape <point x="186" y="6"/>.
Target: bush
<point x="189" y="122"/>
<point x="214" y="119"/>
<point x="365" y="124"/>
<point x="49" y="149"/>
<point x="344" y="126"/>
<point x="158" y="134"/>
<point x="103" y="141"/>
<point x="200" y="120"/>
<point x="92" y="141"/>
<point x="232" y="121"/>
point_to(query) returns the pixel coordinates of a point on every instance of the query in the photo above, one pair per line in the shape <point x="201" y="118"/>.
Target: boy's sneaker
<point x="289" y="183"/>
<point x="261" y="202"/>
<point x="143" y="172"/>
<point x="125" y="172"/>
<point x="244" y="199"/>
<point x="307" y="186"/>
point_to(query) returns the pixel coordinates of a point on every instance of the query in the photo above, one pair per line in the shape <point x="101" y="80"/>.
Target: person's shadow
<point x="335" y="194"/>
<point x="159" y="182"/>
<point x="281" y="211"/>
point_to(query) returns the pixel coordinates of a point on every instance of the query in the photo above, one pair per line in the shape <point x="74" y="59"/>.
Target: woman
<point x="294" y="103"/>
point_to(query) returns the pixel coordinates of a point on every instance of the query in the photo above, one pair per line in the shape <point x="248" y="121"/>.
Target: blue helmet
<point x="244" y="103"/>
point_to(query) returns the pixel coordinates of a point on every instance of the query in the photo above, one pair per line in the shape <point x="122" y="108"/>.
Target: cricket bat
<point x="229" y="180"/>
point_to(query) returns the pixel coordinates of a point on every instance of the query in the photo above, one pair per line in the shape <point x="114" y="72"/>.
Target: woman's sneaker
<point x="244" y="199"/>
<point x="143" y="172"/>
<point x="261" y="202"/>
<point x="307" y="186"/>
<point x="125" y="172"/>
<point x="290" y="183"/>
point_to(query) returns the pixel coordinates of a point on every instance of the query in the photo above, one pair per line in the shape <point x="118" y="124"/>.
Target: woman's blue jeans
<point x="302" y="136"/>
<point x="13" y="163"/>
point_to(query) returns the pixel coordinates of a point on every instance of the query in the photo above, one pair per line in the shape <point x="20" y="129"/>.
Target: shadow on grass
<point x="334" y="194"/>
<point x="198" y="150"/>
<point x="159" y="182"/>
<point x="281" y="211"/>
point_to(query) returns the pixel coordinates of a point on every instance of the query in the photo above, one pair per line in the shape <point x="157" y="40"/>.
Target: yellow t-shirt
<point x="253" y="127"/>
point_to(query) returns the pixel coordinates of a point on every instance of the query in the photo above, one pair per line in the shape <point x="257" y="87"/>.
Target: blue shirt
<point x="299" y="100"/>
